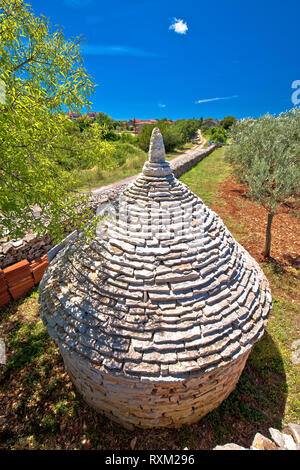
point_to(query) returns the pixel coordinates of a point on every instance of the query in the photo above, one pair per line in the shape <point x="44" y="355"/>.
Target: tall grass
<point x="129" y="160"/>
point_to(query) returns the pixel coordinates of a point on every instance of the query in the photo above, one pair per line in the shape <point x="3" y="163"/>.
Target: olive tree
<point x="41" y="75"/>
<point x="265" y="153"/>
<point x="227" y="122"/>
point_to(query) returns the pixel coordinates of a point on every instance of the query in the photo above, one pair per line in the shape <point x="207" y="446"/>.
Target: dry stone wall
<point x="181" y="165"/>
<point x="32" y="247"/>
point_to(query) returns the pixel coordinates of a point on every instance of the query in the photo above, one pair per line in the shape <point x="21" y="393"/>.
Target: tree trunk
<point x="268" y="235"/>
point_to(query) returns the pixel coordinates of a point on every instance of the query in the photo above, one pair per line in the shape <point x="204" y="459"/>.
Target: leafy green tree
<point x="227" y="122"/>
<point x="217" y="134"/>
<point x="179" y="133"/>
<point x="104" y="119"/>
<point x="43" y="75"/>
<point x="82" y="123"/>
<point x="187" y="128"/>
<point x="265" y="153"/>
<point x="214" y="134"/>
<point x="170" y="139"/>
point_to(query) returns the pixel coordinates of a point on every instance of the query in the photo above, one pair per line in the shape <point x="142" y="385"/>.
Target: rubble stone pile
<point x="278" y="441"/>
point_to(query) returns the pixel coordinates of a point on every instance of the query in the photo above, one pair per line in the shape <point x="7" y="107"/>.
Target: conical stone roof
<point x="163" y="293"/>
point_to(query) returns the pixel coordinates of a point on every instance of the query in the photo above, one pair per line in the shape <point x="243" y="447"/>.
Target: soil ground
<point x="285" y="248"/>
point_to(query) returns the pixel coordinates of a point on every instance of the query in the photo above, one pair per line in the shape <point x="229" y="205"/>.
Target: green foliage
<point x="105" y="122"/>
<point x="109" y="124"/>
<point x="126" y="153"/>
<point x="218" y="134"/>
<point x="186" y="129"/>
<point x="82" y="123"/>
<point x="146" y="131"/>
<point x="227" y="122"/>
<point x="174" y="136"/>
<point x="43" y="74"/>
<point x="266" y="155"/>
<point x="102" y="118"/>
<point x="215" y="134"/>
<point x="127" y="159"/>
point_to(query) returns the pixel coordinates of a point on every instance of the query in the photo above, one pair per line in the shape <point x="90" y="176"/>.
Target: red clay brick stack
<point x="18" y="279"/>
<point x="38" y="267"/>
<point x="4" y="293"/>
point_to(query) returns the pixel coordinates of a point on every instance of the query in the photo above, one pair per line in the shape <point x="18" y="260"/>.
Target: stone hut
<point x="155" y="318"/>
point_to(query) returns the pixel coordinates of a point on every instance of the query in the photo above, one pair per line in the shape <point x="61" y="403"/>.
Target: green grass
<point x="180" y="150"/>
<point x="205" y="177"/>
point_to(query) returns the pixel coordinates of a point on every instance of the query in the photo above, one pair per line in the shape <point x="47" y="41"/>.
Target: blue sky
<point x="181" y="59"/>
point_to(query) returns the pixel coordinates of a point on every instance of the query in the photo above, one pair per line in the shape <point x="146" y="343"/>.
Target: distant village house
<point x="211" y="123"/>
<point x="136" y="124"/>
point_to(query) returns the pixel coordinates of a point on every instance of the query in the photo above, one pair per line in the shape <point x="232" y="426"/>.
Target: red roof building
<point x="73" y="115"/>
<point x="91" y="115"/>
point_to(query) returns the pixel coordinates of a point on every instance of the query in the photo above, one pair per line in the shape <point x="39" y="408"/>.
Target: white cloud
<point x="216" y="99"/>
<point x="179" y="26"/>
<point x="162" y="105"/>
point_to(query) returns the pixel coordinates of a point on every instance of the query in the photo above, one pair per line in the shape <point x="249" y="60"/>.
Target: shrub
<point x="170" y="139"/>
<point x="215" y="134"/>
<point x="227" y="122"/>
<point x="186" y="129"/>
<point x="129" y="138"/>
<point x="178" y="134"/>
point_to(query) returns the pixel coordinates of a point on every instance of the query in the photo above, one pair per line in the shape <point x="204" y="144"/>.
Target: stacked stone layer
<point x="163" y="302"/>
